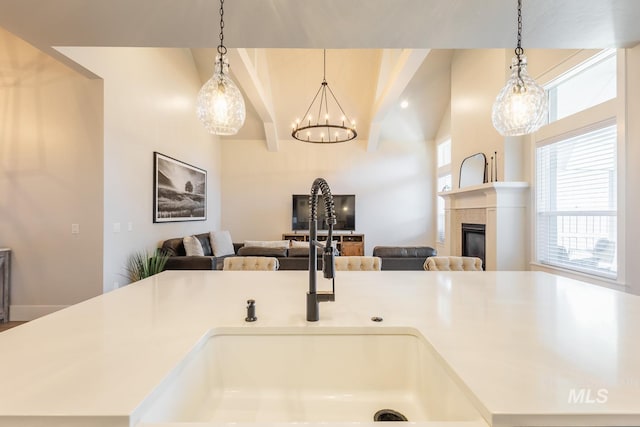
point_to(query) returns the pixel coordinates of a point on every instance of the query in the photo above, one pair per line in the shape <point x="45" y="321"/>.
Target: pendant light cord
<point x="324" y="65"/>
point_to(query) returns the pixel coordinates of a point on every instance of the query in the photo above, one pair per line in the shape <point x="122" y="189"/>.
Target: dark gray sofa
<point x="289" y="259"/>
<point x="403" y="257"/>
<point x="178" y="259"/>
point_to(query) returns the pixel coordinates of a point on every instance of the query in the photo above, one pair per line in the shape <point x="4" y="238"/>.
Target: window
<point x="591" y="83"/>
<point x="443" y="184"/>
<point x="576" y="202"/>
<point x="444" y="155"/>
<point x="576" y="172"/>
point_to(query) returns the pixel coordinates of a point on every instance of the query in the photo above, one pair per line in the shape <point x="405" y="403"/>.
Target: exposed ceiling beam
<point x="249" y="67"/>
<point x="395" y="75"/>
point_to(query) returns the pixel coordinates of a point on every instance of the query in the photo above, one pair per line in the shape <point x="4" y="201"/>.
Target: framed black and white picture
<point x="179" y="190"/>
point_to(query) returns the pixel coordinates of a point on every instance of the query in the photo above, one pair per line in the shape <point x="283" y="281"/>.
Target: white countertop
<point x="520" y="341"/>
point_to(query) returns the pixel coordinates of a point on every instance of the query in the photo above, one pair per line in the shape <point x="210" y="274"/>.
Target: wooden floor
<point x="9" y="325"/>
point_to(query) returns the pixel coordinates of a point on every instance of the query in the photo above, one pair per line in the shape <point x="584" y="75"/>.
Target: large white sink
<point x="247" y="375"/>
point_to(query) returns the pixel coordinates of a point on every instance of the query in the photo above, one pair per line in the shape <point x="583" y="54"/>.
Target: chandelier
<point x="521" y="106"/>
<point x="220" y="106"/>
<point x="330" y="124"/>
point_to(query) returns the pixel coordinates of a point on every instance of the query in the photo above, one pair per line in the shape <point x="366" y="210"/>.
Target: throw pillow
<point x="192" y="246"/>
<point x="173" y="247"/>
<point x="206" y="245"/>
<point x="267" y="243"/>
<point x="299" y="244"/>
<point x="221" y="243"/>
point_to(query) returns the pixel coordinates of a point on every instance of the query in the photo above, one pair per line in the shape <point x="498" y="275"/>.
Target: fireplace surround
<point x="501" y="208"/>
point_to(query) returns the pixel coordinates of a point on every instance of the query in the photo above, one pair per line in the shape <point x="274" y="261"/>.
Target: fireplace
<point x="473" y="241"/>
<point x="492" y="203"/>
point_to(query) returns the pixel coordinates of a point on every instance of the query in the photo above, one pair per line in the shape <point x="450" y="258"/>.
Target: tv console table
<point x="347" y="244"/>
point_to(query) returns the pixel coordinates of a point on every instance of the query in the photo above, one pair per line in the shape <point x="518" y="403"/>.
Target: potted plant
<point x="142" y="265"/>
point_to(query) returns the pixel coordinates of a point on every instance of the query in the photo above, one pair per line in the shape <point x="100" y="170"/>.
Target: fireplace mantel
<point x="501" y="207"/>
<point x="490" y="194"/>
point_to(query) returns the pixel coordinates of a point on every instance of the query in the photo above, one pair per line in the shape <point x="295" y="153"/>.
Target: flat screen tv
<point x="345" y="205"/>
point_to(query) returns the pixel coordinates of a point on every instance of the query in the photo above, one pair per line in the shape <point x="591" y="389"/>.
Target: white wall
<point x="476" y="78"/>
<point x="444" y="133"/>
<point x="149" y="105"/>
<point x="50" y="178"/>
<point x="393" y="187"/>
<point x="632" y="153"/>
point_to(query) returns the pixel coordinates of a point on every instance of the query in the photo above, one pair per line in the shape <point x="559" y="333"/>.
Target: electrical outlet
<point x="116" y="227"/>
<point x="75" y="228"/>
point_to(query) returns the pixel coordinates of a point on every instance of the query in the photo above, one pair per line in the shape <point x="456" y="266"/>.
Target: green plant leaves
<point x="142" y="265"/>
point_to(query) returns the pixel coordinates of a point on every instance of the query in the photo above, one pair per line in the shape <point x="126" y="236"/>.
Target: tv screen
<point x="345" y="205"/>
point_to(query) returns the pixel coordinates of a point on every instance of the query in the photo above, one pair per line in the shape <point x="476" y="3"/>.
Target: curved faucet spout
<point x="313" y="296"/>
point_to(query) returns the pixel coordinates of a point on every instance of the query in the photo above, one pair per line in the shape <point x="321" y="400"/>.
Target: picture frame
<point x="179" y="190"/>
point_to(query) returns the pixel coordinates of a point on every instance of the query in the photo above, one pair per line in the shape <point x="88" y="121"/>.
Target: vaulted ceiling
<point x="379" y="51"/>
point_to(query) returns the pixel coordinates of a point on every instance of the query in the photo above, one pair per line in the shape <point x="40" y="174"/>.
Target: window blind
<point x="576" y="203"/>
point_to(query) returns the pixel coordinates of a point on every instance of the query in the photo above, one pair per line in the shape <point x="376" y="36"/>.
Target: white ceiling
<point x="441" y="24"/>
<point x="354" y="30"/>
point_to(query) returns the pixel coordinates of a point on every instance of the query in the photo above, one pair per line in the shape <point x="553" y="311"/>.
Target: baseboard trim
<point x="24" y="313"/>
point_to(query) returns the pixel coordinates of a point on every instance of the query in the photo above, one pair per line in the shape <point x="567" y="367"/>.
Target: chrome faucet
<point x="315" y="297"/>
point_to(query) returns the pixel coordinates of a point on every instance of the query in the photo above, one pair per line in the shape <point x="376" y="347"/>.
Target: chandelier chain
<point x="222" y="50"/>
<point x="519" y="50"/>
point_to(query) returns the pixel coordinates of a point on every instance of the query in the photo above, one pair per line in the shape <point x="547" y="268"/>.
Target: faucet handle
<point x="328" y="263"/>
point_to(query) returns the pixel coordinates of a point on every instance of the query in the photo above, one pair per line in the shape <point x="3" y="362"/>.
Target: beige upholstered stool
<point x="358" y="263"/>
<point x="453" y="263"/>
<point x="251" y="263"/>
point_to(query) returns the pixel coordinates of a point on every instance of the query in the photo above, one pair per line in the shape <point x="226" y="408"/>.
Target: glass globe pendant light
<point x="220" y="106"/>
<point x="521" y="106"/>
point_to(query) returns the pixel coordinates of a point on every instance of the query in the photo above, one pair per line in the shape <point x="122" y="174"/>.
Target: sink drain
<point x="389" y="415"/>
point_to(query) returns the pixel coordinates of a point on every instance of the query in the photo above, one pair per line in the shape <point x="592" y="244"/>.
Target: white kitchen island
<point x="532" y="349"/>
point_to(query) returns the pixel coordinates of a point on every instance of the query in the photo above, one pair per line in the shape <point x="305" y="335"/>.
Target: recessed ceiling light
<point x="404" y="104"/>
